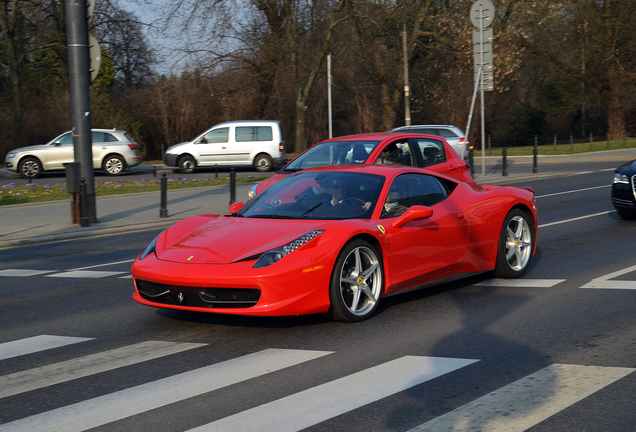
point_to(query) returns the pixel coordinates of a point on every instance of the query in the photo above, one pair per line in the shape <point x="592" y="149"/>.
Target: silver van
<point x="259" y="143"/>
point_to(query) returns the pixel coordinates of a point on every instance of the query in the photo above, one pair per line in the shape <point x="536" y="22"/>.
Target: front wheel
<point x="357" y="282"/>
<point x="263" y="162"/>
<point x="114" y="165"/>
<point x="187" y="165"/>
<point x="30" y="168"/>
<point x="516" y="245"/>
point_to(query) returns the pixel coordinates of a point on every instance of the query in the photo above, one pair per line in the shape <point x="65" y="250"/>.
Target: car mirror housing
<point x="416" y="212"/>
<point x="234" y="207"/>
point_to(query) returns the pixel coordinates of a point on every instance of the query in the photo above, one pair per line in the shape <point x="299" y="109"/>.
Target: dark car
<point x="624" y="190"/>
<point x="411" y="149"/>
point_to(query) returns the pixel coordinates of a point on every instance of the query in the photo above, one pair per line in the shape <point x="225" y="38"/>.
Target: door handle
<point x="460" y="215"/>
<point x="452" y="167"/>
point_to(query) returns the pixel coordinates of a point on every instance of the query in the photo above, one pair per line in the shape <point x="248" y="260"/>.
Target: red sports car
<point x="337" y="240"/>
<point x="390" y="148"/>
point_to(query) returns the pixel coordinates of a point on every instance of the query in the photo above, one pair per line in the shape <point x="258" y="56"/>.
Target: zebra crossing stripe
<point x="315" y="405"/>
<point x="528" y="401"/>
<point x="35" y="344"/>
<point x="608" y="281"/>
<point x="45" y="376"/>
<point x="125" y="403"/>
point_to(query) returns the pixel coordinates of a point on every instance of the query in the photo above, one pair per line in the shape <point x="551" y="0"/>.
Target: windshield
<point x="333" y="153"/>
<point x="323" y="195"/>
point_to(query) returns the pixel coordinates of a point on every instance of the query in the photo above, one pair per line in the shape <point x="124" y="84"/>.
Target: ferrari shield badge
<point x="381" y="228"/>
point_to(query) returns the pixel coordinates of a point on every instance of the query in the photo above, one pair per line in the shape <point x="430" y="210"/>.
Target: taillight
<point x="464" y="141"/>
<point x="281" y="147"/>
<point x="132" y="146"/>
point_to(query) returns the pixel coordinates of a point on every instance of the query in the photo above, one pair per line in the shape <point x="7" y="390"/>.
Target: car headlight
<point x="275" y="255"/>
<point x="620" y="178"/>
<point x="11" y="155"/>
<point x="151" y="248"/>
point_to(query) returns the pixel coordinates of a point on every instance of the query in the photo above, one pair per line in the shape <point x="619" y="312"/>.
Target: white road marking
<point x="103" y="265"/>
<point x="577" y="218"/>
<point x="23" y="272"/>
<point x="57" y="373"/>
<point x="310" y="407"/>
<point x="528" y="401"/>
<point x="606" y="282"/>
<point x="125" y="403"/>
<point x="521" y="283"/>
<point x="36" y="344"/>
<point x="573" y="191"/>
<point x="91" y="274"/>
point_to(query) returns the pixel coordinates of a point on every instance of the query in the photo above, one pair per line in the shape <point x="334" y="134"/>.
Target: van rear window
<point x="253" y="133"/>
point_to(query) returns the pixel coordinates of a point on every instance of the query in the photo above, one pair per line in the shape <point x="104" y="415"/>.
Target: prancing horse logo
<point x="180" y="297"/>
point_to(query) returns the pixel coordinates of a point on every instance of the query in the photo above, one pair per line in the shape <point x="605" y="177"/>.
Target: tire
<point x="30" y="168"/>
<point x="516" y="245"/>
<point x="357" y="282"/>
<point x="626" y="214"/>
<point x="114" y="165"/>
<point x="187" y="164"/>
<point x="263" y="162"/>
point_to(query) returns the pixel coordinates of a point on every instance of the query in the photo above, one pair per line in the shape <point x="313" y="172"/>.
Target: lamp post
<point x="407" y="102"/>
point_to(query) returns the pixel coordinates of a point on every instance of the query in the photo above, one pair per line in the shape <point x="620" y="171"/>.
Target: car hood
<point x="32" y="148"/>
<point x="178" y="146"/>
<point x="217" y="239"/>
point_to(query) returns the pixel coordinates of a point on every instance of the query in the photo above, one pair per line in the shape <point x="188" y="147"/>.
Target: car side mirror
<point x="235" y="207"/>
<point x="416" y="212"/>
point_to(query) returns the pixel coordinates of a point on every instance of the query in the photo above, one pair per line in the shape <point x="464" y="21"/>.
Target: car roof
<point x="374" y="136"/>
<point x="388" y="171"/>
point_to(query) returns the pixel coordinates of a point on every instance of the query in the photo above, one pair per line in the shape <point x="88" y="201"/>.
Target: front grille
<point x="197" y="296"/>
<point x="634" y="185"/>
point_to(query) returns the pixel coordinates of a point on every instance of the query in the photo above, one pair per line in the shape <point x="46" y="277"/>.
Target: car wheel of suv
<point x="187" y="165"/>
<point x="114" y="165"/>
<point x="30" y="168"/>
<point x="263" y="162"/>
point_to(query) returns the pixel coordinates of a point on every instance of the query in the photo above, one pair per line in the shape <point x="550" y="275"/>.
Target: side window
<point x="263" y="133"/>
<point x="447" y="133"/>
<point x="214" y="136"/>
<point x="412" y="189"/>
<point x="433" y="151"/>
<point x="253" y="133"/>
<point x="110" y="138"/>
<point x="398" y="153"/>
<point x="97" y="137"/>
<point x="67" y="139"/>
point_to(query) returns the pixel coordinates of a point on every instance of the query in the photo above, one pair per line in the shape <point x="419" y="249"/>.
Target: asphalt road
<point x="553" y="351"/>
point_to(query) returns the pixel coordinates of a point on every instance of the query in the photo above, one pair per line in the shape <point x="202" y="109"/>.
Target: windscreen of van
<point x="253" y="133"/>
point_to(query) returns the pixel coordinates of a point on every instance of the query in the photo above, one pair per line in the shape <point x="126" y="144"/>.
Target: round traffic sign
<point x="482" y="13"/>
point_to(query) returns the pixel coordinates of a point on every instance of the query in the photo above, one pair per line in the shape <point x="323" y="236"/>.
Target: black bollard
<point x="471" y="157"/>
<point x="591" y="141"/>
<point x="216" y="171"/>
<point x="535" y="151"/>
<point x="154" y="172"/>
<point x="84" y="221"/>
<point x="504" y="171"/>
<point x="232" y="186"/>
<point x="571" y="143"/>
<point x="164" y="192"/>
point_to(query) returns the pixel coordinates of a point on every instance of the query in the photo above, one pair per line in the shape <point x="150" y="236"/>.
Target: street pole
<point x="79" y="81"/>
<point x="329" y="94"/>
<point x="407" y="90"/>
<point x="483" y="118"/>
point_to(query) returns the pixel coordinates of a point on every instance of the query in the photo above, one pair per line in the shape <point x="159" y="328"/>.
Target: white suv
<point x="113" y="151"/>
<point x="259" y="143"/>
<point x="454" y="135"/>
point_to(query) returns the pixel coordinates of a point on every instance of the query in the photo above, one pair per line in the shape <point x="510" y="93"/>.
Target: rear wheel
<point x="516" y="244"/>
<point x="30" y="168"/>
<point x="113" y="165"/>
<point x="263" y="162"/>
<point x="357" y="282"/>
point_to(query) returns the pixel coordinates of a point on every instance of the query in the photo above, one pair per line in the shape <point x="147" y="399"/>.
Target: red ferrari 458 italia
<point x="336" y="240"/>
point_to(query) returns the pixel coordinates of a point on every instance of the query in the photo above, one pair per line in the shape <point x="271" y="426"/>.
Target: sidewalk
<point x="26" y="224"/>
